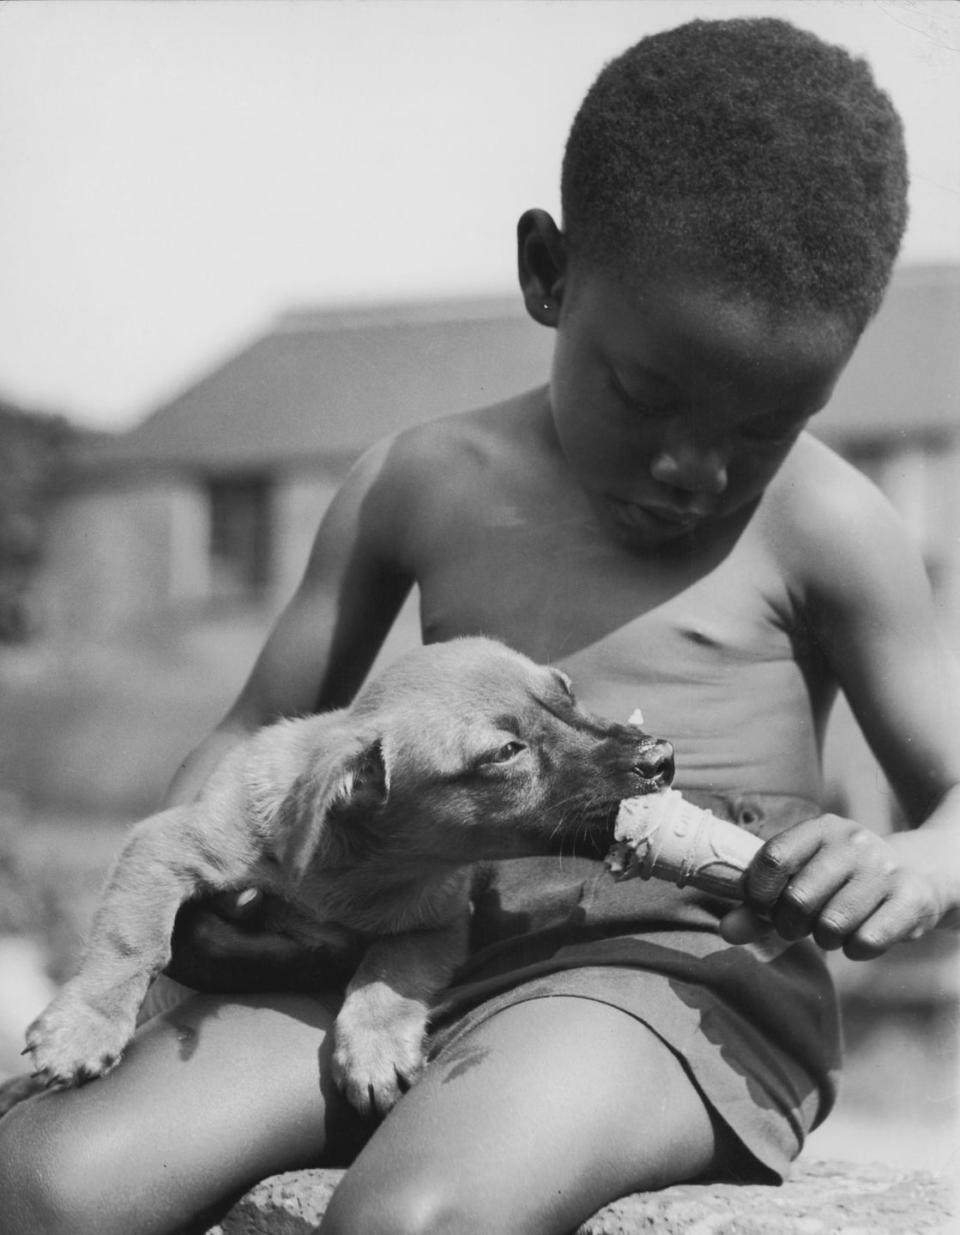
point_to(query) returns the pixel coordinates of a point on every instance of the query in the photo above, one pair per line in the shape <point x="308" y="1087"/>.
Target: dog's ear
<point x="307" y="822"/>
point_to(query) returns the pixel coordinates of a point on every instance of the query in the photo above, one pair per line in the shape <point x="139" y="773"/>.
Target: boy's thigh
<point x="209" y="1097"/>
<point x="530" y="1123"/>
<point x="251" y="1069"/>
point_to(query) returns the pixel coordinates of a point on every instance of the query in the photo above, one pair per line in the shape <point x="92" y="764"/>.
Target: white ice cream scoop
<point x="664" y="836"/>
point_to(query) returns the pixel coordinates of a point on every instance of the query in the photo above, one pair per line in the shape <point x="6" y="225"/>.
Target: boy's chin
<point x="644" y="527"/>
<point x="640" y="528"/>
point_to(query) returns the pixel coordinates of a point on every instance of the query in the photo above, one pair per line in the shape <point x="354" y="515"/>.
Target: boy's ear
<point x="541" y="265"/>
<point x="307" y="823"/>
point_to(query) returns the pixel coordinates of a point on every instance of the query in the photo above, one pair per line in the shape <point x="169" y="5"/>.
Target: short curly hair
<point x="748" y="150"/>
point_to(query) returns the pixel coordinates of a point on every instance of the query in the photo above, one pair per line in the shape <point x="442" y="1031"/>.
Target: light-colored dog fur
<point x="366" y="820"/>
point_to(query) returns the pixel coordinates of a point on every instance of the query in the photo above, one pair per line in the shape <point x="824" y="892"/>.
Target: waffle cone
<point x="661" y="835"/>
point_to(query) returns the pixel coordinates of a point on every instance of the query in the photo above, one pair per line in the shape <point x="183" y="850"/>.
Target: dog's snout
<point x="654" y="762"/>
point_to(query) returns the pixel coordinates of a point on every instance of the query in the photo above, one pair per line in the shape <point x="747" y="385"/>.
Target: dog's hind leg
<point x="164" y="862"/>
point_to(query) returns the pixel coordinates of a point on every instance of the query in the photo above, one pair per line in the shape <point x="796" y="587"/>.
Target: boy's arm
<point x="328" y="636"/>
<point x="315" y="658"/>
<point x="865" y="595"/>
<point x="356" y="580"/>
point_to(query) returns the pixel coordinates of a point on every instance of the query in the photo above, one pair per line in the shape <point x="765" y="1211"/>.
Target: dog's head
<point x="462" y="751"/>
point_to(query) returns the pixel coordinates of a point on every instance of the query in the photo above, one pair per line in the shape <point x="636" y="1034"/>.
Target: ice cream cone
<point x="664" y="836"/>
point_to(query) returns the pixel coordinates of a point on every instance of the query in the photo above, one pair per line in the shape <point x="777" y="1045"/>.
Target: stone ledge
<point x="821" y="1198"/>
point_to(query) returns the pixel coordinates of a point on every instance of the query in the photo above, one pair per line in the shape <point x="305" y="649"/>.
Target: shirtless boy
<point x="657" y="522"/>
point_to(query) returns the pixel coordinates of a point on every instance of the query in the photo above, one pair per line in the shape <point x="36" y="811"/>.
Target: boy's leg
<point x="208" y="1099"/>
<point x="539" y="1117"/>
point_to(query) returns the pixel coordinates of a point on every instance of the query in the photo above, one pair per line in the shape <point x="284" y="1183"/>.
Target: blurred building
<point x="213" y="500"/>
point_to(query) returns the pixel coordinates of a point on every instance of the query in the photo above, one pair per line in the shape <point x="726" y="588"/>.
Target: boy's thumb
<point x="742" y="925"/>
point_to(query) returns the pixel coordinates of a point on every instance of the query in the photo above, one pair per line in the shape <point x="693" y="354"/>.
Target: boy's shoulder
<point x="826" y="521"/>
<point x="816" y="482"/>
<point x="424" y="482"/>
<point x="480" y="429"/>
<point x="819" y="486"/>
<point x="480" y="443"/>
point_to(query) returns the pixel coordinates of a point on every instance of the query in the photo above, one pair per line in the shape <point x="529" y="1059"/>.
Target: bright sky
<point x="175" y="174"/>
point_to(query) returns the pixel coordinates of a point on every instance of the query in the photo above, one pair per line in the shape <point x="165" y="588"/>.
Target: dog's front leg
<point x="83" y="1031"/>
<point x="379" y="1033"/>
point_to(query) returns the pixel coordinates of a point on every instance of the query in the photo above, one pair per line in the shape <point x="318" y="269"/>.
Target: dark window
<point x="240" y="534"/>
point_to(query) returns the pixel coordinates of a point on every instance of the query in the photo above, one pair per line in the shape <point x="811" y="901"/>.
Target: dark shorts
<point x="756" y="1026"/>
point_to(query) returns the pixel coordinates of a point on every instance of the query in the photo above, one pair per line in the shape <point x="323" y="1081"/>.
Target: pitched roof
<point x="325" y="384"/>
<point x="322" y="385"/>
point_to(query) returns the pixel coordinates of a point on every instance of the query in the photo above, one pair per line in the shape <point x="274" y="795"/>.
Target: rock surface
<point x="822" y="1198"/>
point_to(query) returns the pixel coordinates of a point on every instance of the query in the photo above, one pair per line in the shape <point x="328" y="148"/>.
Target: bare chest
<point x="556" y="589"/>
<point x="700" y="640"/>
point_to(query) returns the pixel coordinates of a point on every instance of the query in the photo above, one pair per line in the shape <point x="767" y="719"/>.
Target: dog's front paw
<point x="71" y="1041"/>
<point x="375" y="1064"/>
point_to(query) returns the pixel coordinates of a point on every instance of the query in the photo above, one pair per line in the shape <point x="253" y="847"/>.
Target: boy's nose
<point x="697" y="470"/>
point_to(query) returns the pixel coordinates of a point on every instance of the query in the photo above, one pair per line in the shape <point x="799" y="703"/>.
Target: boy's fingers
<point x="779" y="859"/>
<point x="873" y="936"/>
<point x="907" y="915"/>
<point x="833" y="894"/>
<point x="824" y="866"/>
<point x="238" y="906"/>
<point x="805" y="896"/>
<point x="854" y="904"/>
<point x="214" y="952"/>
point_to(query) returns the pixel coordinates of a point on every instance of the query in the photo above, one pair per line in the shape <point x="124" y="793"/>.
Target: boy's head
<point x="747" y="151"/>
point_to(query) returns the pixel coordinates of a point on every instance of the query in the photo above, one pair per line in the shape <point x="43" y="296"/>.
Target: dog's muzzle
<point x="654" y="764"/>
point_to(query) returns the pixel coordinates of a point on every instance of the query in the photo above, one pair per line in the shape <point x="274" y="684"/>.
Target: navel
<point x="700" y="636"/>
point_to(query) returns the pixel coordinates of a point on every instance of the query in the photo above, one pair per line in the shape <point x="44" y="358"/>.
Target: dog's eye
<point x="508" y="751"/>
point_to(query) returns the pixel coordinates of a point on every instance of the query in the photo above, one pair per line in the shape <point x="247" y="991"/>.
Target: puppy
<point x="366" y="821"/>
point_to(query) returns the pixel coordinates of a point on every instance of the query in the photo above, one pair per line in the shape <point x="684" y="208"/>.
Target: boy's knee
<point x="415" y="1208"/>
<point x="48" y="1181"/>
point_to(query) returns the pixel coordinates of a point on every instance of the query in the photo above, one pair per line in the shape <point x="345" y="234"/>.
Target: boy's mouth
<point x="636" y="517"/>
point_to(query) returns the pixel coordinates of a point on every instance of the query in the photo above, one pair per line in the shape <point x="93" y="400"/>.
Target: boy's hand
<point x="841" y="883"/>
<point x="222" y="944"/>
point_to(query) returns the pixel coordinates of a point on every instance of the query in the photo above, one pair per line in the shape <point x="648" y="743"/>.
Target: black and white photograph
<point x="479" y="617"/>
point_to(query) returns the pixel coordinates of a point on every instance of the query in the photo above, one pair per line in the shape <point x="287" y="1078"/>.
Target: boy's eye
<point x="635" y="404"/>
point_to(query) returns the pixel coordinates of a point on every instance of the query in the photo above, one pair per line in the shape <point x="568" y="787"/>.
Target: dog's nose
<point x="655" y="762"/>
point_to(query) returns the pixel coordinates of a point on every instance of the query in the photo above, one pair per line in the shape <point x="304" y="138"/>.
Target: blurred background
<point x="240" y="241"/>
